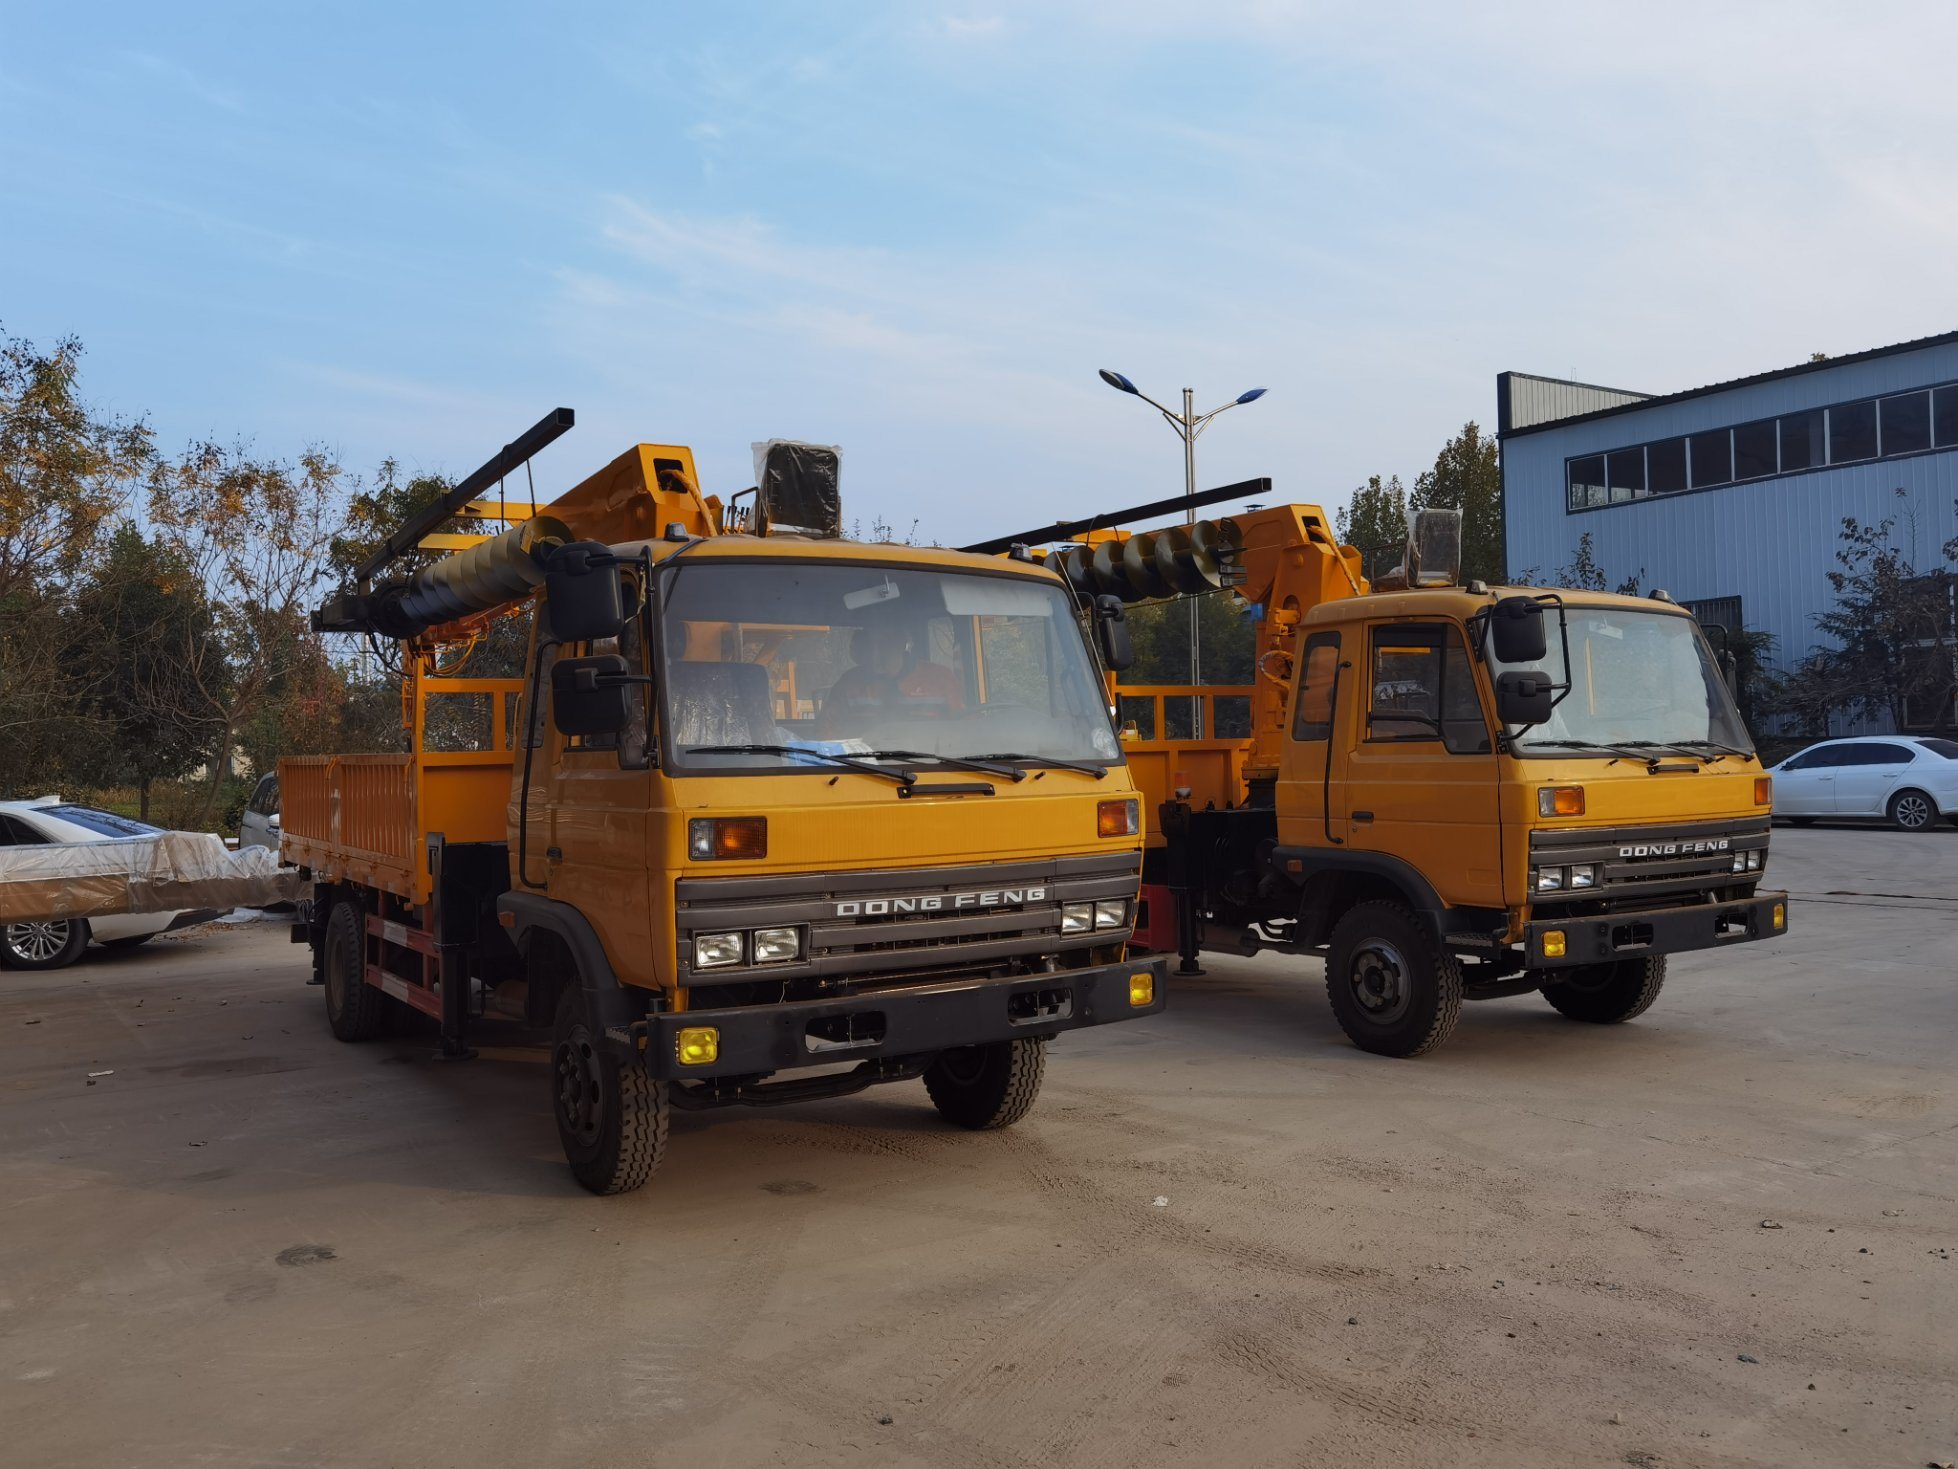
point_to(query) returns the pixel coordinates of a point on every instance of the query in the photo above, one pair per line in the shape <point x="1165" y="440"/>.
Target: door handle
<point x="1363" y="816"/>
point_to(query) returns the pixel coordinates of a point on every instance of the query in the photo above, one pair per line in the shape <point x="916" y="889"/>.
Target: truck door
<point x="598" y="814"/>
<point x="1421" y="769"/>
<point x="1311" y="783"/>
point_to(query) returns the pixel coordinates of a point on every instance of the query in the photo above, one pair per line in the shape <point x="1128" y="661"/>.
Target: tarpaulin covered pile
<point x="160" y="874"/>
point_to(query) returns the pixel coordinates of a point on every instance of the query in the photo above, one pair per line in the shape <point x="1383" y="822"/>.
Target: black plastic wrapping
<point x="800" y="487"/>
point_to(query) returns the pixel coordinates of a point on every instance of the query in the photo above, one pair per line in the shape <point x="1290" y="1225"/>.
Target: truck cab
<point x="777" y="816"/>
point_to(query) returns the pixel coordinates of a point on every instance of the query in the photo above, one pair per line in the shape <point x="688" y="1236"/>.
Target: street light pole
<point x="1188" y="425"/>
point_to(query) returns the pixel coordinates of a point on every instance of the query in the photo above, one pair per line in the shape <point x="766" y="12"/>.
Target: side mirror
<point x="1522" y="698"/>
<point x="1112" y="634"/>
<point x="589" y="696"/>
<point x="1516" y="632"/>
<point x="582" y="591"/>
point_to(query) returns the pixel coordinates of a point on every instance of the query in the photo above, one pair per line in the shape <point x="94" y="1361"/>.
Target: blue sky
<point x="916" y="231"/>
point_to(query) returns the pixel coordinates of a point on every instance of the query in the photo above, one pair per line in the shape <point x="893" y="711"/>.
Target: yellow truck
<point x="1444" y="791"/>
<point x="769" y="815"/>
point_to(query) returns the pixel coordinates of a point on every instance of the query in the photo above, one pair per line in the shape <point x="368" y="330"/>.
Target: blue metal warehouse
<point x="1731" y="497"/>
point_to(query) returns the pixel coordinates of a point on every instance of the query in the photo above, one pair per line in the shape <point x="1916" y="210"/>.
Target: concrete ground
<point x="1721" y="1235"/>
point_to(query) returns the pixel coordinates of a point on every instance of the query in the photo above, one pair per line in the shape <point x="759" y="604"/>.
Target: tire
<point x="1912" y="810"/>
<point x="354" y="1008"/>
<point x="1609" y="993"/>
<point x="134" y="941"/>
<point x="611" y="1118"/>
<point x="52" y="943"/>
<point x="989" y="1086"/>
<point x="1394" y="990"/>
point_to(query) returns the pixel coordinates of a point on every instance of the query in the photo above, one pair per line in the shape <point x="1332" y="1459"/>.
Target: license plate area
<point x="852" y="1032"/>
<point x="1631" y="936"/>
<point x="1031" y="1007"/>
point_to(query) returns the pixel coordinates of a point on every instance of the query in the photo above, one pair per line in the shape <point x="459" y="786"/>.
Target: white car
<point x="258" y="825"/>
<point x="53" y="943"/>
<point x="1909" y="780"/>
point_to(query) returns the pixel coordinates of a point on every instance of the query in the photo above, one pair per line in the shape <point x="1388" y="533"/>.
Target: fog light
<point x="1077" y="917"/>
<point x="1553" y="943"/>
<point x="1763" y="789"/>
<point x="697" y="1045"/>
<point x="727" y="838"/>
<point x="1584" y="876"/>
<point x="1118" y="818"/>
<point x="1112" y="915"/>
<point x="777" y="945"/>
<point x="716" y="950"/>
<point x="1549" y="879"/>
<point x="1142" y="990"/>
<point x="1780" y="916"/>
<point x="1560" y="801"/>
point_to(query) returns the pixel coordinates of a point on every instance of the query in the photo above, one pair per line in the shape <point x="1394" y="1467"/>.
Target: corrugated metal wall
<point x="1524" y="400"/>
<point x="1770" y="542"/>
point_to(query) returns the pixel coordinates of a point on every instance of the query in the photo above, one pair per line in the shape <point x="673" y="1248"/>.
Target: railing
<point x="1162" y="713"/>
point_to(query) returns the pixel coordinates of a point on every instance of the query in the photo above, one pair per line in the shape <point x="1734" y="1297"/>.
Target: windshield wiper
<point x="983" y="766"/>
<point x="1623" y="752"/>
<point x="1714" y="745"/>
<point x="1099" y="772"/>
<point x="902" y="777"/>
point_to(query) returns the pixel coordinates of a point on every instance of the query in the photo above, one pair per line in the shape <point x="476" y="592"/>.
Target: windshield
<point x="896" y="665"/>
<point x="1638" y="679"/>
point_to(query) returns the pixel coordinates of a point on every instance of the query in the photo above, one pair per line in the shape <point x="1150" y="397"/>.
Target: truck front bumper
<point x="755" y="1040"/>
<point x="1611" y="936"/>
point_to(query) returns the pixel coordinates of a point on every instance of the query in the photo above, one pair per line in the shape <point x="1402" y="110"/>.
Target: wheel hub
<point x="1379" y="978"/>
<point x="1913" y="811"/>
<point x="38" y="941"/>
<point x="580" y="1096"/>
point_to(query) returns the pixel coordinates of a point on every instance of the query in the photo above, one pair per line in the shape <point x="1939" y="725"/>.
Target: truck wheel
<point x="1394" y="990"/>
<point x="611" y="1118"/>
<point x="1606" y="994"/>
<point x="983" y="1087"/>
<point x="1912" y="811"/>
<point x="354" y="1008"/>
<point x="52" y="943"/>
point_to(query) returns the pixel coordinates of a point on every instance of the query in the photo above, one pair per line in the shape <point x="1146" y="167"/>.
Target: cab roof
<point x="1460" y="602"/>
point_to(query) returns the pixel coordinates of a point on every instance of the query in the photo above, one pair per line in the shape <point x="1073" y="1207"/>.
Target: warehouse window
<point x="1625" y="468"/>
<point x="1905" y="423"/>
<point x="1712" y="458"/>
<point x="1587" y="482"/>
<point x="1852" y="432"/>
<point x="1944" y="417"/>
<point x="1754" y="456"/>
<point x="1921" y="421"/>
<point x="1802" y="441"/>
<point x="1665" y="467"/>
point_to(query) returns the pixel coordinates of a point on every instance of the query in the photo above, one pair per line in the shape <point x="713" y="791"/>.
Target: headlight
<point x="1118" y="818"/>
<point x="727" y="838"/>
<point x="716" y="950"/>
<point x="777" y="945"/>
<point x="1077" y="917"/>
<point x="1112" y="915"/>
<point x="1740" y="861"/>
<point x="1583" y="876"/>
<point x="1549" y="879"/>
<point x="1755" y="858"/>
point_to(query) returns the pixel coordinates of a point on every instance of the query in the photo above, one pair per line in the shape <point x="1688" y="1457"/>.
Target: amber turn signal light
<point x="1560" y="801"/>
<point x="1553" y="943"/>
<point x="727" y="838"/>
<point x="1118" y="818"/>
<point x="1763" y="789"/>
<point x="1142" y="989"/>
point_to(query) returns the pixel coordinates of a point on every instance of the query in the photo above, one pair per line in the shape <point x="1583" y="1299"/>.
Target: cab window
<point x="1421" y="688"/>
<point x="1312" y="715"/>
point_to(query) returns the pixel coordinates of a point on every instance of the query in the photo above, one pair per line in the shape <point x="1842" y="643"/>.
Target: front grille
<point x="864" y="923"/>
<point x="1650" y="862"/>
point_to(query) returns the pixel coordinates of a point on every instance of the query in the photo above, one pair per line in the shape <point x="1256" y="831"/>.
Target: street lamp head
<point x="1116" y="380"/>
<point x="1250" y="397"/>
